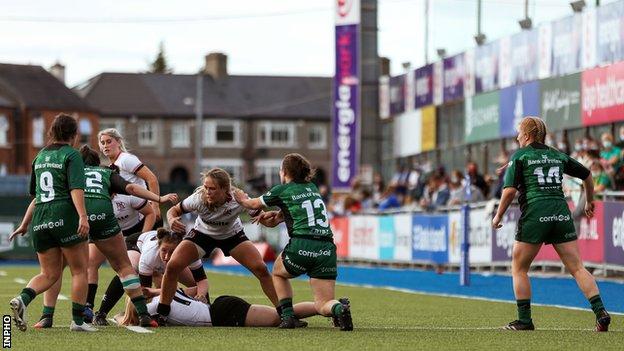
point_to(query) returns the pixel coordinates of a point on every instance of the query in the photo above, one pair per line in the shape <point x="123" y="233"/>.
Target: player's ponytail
<point x="89" y="156"/>
<point x="64" y="128"/>
<point x="298" y="168"/>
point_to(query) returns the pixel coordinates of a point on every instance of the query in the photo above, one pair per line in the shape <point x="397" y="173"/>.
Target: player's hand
<point x="156" y="208"/>
<point x="496" y="222"/>
<point x="240" y="195"/>
<point x="172" y="198"/>
<point x="21" y="230"/>
<point x="589" y="209"/>
<point x="83" y="226"/>
<point x="201" y="298"/>
<point x="150" y="292"/>
<point x="177" y="225"/>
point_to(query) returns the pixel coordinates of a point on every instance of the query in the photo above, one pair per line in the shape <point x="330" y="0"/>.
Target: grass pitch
<point x="383" y="320"/>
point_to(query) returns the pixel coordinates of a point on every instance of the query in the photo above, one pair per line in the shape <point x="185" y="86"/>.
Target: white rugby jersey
<point x="185" y="311"/>
<point x="128" y="164"/>
<point x="150" y="261"/>
<point x="221" y="223"/>
<point x="126" y="208"/>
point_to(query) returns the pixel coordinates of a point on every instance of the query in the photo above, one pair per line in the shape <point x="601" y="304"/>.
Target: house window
<point x="222" y="133"/>
<point x="147" y="133"/>
<point x="4" y="131"/>
<point x="317" y="137"/>
<point x="180" y="135"/>
<point x="113" y="123"/>
<point x="270" y="170"/>
<point x="276" y="134"/>
<point x="38" y="128"/>
<point x="84" y="127"/>
<point x="233" y="166"/>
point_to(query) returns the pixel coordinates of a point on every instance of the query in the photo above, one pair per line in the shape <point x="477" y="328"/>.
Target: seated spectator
<point x="391" y="198"/>
<point x="477" y="179"/>
<point x="436" y="193"/>
<point x="457" y="186"/>
<point x="602" y="181"/>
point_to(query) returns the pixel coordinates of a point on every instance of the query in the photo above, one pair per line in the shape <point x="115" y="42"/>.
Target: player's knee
<point x="259" y="269"/>
<point x="174" y="267"/>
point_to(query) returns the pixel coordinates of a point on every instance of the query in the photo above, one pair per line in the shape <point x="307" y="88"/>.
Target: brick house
<point x="249" y="122"/>
<point x="30" y="97"/>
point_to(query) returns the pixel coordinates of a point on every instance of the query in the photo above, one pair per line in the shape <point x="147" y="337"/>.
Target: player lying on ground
<point x="311" y="248"/>
<point x="225" y="311"/>
<point x="59" y="221"/>
<point x="104" y="233"/>
<point x="536" y="171"/>
<point x="217" y="226"/>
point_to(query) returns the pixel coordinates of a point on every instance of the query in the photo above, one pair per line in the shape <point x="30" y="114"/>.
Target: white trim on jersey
<point x="128" y="164"/>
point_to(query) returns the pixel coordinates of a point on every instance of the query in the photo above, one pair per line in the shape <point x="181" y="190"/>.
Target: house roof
<point x="35" y="88"/>
<point x="152" y="94"/>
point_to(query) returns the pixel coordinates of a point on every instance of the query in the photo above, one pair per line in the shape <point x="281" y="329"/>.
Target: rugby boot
<point x="45" y="322"/>
<point x="344" y="319"/>
<point x="88" y="313"/>
<point x="603" y="321"/>
<point x="100" y="319"/>
<point x="19" y="313"/>
<point x="517" y="325"/>
<point x="291" y="323"/>
<point x="84" y="327"/>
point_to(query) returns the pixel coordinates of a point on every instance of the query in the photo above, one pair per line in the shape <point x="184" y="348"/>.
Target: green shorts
<point x="102" y="221"/>
<point x="548" y="222"/>
<point x="314" y="257"/>
<point x="54" y="224"/>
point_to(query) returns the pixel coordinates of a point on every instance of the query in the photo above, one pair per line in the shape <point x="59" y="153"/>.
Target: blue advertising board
<point x="517" y="102"/>
<point x="429" y="238"/>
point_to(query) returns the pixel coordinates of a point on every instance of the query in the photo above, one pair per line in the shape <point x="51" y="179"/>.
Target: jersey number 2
<point x="318" y="203"/>
<point x="94" y="180"/>
<point x="552" y="177"/>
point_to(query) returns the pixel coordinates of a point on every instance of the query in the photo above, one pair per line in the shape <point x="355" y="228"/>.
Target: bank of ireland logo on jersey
<point x="47" y="158"/>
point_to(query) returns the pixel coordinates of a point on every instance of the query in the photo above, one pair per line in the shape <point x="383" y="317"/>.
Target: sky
<point x="261" y="37"/>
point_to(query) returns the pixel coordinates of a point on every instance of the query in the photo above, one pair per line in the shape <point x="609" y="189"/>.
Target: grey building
<point x="249" y="122"/>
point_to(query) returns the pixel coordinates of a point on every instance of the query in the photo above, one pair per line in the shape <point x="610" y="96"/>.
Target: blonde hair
<point x="220" y="177"/>
<point x="130" y="316"/>
<point x="113" y="133"/>
<point x="534" y="127"/>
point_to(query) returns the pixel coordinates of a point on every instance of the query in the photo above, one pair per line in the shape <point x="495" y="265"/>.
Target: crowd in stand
<point x="426" y="187"/>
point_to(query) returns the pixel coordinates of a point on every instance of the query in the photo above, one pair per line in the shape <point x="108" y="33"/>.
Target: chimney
<point x="58" y="71"/>
<point x="216" y="65"/>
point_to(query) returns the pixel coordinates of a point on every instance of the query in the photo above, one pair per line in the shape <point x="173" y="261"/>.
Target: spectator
<point x="378" y="188"/>
<point x="610" y="154"/>
<point x="477" y="179"/>
<point x="602" y="181"/>
<point x="367" y="203"/>
<point x="458" y="189"/>
<point x="391" y="198"/>
<point x="436" y="193"/>
<point x="620" y="143"/>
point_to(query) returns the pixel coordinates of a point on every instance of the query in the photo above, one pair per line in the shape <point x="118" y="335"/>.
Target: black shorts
<point x="208" y="244"/>
<point x="131" y="242"/>
<point x="229" y="311"/>
<point x="137" y="228"/>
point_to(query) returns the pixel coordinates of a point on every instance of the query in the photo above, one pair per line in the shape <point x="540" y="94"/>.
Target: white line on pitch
<point x="3" y="273"/>
<point x="477" y="328"/>
<point x="138" y="329"/>
<point x="62" y="297"/>
<point x="20" y="281"/>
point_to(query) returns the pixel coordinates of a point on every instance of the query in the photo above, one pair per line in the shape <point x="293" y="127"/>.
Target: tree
<point x="160" y="63"/>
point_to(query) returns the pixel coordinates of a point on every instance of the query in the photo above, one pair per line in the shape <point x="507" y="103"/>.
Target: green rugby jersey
<point x="303" y="208"/>
<point x="56" y="170"/>
<point x="537" y="171"/>
<point x="102" y="182"/>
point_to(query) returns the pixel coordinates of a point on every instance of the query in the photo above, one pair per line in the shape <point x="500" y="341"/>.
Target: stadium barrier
<point x="435" y="238"/>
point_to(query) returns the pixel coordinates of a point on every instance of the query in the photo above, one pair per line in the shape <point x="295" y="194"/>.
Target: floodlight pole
<point x="199" y="112"/>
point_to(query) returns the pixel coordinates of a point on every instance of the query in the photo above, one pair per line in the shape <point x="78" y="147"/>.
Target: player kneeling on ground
<point x="311" y="249"/>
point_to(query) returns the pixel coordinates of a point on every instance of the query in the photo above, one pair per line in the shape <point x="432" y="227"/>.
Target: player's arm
<point x="23" y="227"/>
<point x="576" y="169"/>
<point x="588" y="185"/>
<point x="174" y="220"/>
<point x="511" y="182"/>
<point x="270" y="218"/>
<point x="244" y="200"/>
<point x="76" y="182"/>
<point x="152" y="184"/>
<point x="149" y="217"/>
<point x="199" y="275"/>
<point x="139" y="191"/>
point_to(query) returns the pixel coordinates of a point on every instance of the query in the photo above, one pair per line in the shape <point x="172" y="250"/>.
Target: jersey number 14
<point x="551" y="177"/>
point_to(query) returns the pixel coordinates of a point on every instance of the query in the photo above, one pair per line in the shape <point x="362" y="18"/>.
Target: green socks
<point x="336" y="309"/>
<point x="596" y="304"/>
<point x="27" y="295"/>
<point x="287" y="307"/>
<point x="78" y="313"/>
<point x="524" y="311"/>
<point x="139" y="304"/>
<point x="48" y="311"/>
